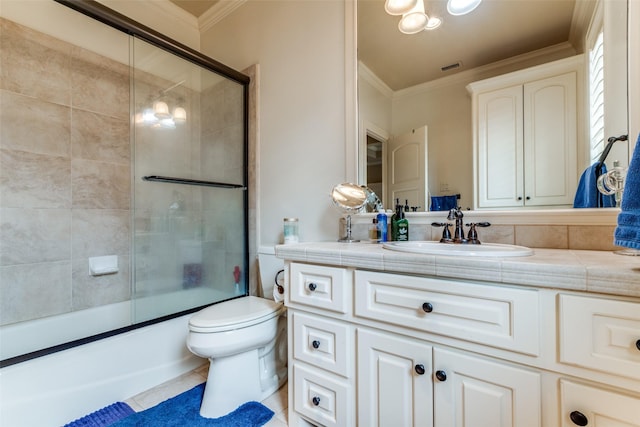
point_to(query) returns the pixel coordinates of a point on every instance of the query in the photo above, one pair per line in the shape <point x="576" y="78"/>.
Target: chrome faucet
<point x="457" y="215"/>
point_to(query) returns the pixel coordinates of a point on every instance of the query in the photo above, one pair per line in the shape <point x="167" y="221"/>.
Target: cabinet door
<point x="500" y="148"/>
<point x="582" y="405"/>
<point x="550" y="132"/>
<point x="474" y="392"/>
<point x="394" y="381"/>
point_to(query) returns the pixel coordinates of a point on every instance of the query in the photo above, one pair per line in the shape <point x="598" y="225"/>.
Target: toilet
<point x="245" y="341"/>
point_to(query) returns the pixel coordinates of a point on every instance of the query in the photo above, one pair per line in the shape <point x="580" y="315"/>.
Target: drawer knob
<point x="316" y="400"/>
<point x="312" y="286"/>
<point x="420" y="369"/>
<point x="315" y="344"/>
<point x="578" y="418"/>
<point x="638" y="344"/>
<point x="441" y="375"/>
<point x="427" y="307"/>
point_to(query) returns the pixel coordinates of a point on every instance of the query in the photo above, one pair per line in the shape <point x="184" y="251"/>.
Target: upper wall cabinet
<point x="525" y="127"/>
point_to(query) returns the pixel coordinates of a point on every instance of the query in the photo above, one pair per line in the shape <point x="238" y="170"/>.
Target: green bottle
<point x="402" y="225"/>
<point x="394" y="222"/>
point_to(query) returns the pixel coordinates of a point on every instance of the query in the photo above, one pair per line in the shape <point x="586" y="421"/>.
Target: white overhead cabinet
<point x="525" y="136"/>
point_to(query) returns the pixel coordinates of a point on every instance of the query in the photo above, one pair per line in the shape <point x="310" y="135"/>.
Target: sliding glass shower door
<point x="190" y="195"/>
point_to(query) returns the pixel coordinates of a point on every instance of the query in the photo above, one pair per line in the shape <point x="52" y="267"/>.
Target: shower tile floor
<point x="277" y="402"/>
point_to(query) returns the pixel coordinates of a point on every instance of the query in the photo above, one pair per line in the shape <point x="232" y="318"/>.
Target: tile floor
<point x="277" y="402"/>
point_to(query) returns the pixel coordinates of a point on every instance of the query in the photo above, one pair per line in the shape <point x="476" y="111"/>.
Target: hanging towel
<point x="444" y="203"/>
<point x="587" y="194"/>
<point x="627" y="232"/>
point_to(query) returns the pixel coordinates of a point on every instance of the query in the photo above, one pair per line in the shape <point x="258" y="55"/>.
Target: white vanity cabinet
<point x="526" y="127"/>
<point x="384" y="349"/>
<point x="601" y="334"/>
<point x="403" y="382"/>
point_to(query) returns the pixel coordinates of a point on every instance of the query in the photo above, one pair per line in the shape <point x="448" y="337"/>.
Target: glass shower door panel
<point x="189" y="240"/>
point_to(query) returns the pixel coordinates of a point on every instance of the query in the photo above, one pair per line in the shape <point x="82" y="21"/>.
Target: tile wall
<point x="64" y="175"/>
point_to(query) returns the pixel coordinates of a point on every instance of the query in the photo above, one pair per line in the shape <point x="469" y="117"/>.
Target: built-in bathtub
<point x="57" y="388"/>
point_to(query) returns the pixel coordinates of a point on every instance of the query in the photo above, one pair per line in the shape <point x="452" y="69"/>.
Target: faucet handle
<point x="473" y="234"/>
<point x="446" y="233"/>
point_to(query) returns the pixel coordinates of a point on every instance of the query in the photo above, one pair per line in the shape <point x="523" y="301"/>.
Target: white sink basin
<point x="437" y="248"/>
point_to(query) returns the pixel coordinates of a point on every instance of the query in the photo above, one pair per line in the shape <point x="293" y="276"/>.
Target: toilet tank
<point x="269" y="266"/>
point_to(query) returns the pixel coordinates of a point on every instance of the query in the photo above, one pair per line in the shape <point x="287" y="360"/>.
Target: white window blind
<point x="596" y="97"/>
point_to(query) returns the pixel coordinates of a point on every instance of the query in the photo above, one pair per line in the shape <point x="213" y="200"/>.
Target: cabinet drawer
<point x="321" y="287"/>
<point x="601" y="334"/>
<point x="596" y="406"/>
<point x="321" y="342"/>
<point x="321" y="398"/>
<point x="492" y="315"/>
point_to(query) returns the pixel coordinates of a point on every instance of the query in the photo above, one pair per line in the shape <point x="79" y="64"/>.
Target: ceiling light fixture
<point x="415" y="19"/>
<point x="461" y="7"/>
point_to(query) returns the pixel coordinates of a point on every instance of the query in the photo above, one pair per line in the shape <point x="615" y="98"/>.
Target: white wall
<point x="300" y="47"/>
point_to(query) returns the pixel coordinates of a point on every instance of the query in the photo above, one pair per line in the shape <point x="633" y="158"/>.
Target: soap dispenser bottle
<point x="382" y="225"/>
<point x="402" y="225"/>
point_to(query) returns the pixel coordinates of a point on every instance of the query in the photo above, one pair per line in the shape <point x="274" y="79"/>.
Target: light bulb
<point x="433" y="23"/>
<point x="415" y="20"/>
<point x="399" y="7"/>
<point x="161" y="110"/>
<point x="462" y="7"/>
<point x="180" y="115"/>
<point x="148" y="117"/>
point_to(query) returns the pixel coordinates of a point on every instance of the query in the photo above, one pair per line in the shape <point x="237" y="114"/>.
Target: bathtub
<point x="55" y="389"/>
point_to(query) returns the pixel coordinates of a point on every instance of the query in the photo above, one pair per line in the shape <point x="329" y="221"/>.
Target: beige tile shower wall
<point x="64" y="175"/>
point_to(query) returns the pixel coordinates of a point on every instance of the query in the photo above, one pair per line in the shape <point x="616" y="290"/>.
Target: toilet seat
<point x="234" y="314"/>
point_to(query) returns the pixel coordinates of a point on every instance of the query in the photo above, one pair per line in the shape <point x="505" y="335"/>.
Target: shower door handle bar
<point x="185" y="181"/>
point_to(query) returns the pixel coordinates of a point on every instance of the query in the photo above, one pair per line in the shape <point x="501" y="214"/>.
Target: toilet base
<point x="232" y="381"/>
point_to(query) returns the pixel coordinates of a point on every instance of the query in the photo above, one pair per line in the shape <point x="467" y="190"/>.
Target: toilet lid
<point x="234" y="314"/>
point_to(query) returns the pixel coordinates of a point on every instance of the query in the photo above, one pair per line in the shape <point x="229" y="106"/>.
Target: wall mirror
<point x="409" y="81"/>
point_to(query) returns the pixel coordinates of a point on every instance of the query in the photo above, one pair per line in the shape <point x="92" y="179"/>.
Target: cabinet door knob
<point x="441" y="375"/>
<point x="312" y="286"/>
<point x="427" y="307"/>
<point x="638" y="344"/>
<point x="578" y="418"/>
<point x="528" y="198"/>
<point x="420" y="369"/>
<point x="315" y="344"/>
<point x="316" y="400"/>
<point x="519" y="198"/>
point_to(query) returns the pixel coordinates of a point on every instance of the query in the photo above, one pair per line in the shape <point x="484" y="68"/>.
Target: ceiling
<point x="195" y="7"/>
<point x="496" y="30"/>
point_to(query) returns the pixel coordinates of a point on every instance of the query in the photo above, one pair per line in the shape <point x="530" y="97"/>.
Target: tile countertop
<point x="590" y="271"/>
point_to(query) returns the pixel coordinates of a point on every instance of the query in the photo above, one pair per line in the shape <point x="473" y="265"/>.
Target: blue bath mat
<point x="184" y="410"/>
<point x="104" y="417"/>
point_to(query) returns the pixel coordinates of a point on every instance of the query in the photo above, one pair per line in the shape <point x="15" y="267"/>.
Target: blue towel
<point x="444" y="203"/>
<point x="627" y="232"/>
<point x="587" y="194"/>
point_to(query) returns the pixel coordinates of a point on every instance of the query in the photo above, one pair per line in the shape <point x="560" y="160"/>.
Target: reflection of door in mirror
<point x="407" y="160"/>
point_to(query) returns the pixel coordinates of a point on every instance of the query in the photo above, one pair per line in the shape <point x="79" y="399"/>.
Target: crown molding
<point x="472" y="74"/>
<point x="581" y="22"/>
<point x="217" y="13"/>
<point x="367" y="75"/>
